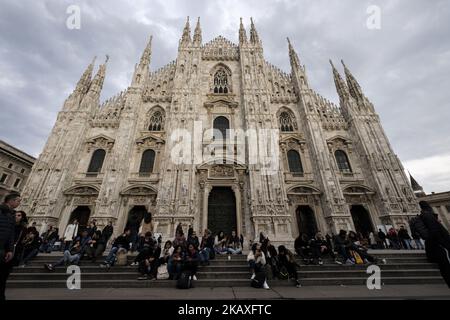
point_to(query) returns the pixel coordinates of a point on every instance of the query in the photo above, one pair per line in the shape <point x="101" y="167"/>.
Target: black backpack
<point x="184" y="281"/>
<point x="283" y="274"/>
<point x="418" y="227"/>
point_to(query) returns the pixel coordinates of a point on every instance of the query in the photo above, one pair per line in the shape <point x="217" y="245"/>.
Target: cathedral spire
<point x="85" y="80"/>
<point x="198" y="34"/>
<point x="353" y="85"/>
<point x="186" y="38"/>
<point x="341" y="88"/>
<point x="97" y="83"/>
<point x="295" y="61"/>
<point x="254" y="38"/>
<point x="146" y="55"/>
<point x="242" y="34"/>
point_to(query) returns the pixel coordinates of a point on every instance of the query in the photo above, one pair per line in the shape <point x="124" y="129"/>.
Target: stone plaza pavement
<point x="397" y="292"/>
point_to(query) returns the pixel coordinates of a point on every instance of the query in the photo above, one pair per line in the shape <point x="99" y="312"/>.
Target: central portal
<point x="222" y="210"/>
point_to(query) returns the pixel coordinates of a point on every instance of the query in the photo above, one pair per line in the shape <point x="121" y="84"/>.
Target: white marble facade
<point x="207" y="81"/>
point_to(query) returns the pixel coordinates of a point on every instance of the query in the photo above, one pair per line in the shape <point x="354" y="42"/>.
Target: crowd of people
<point x="182" y="254"/>
<point x="21" y="242"/>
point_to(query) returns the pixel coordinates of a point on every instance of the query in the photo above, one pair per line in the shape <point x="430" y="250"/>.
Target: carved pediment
<point x="304" y="190"/>
<point x="217" y="100"/>
<point x="86" y="190"/>
<point x="292" y="142"/>
<point x="99" y="141"/>
<point x="149" y="141"/>
<point x="138" y="190"/>
<point x="221" y="171"/>
<point x="338" y="142"/>
<point x="358" y="190"/>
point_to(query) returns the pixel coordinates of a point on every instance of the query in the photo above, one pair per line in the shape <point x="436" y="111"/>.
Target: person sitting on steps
<point x="303" y="248"/>
<point x="121" y="243"/>
<point x="191" y="261"/>
<point x="148" y="258"/>
<point x="320" y="247"/>
<point x="174" y="266"/>
<point x="286" y="259"/>
<point x="71" y="256"/>
<point x="234" y="244"/>
<point x="220" y="243"/>
<point x="257" y="260"/>
<point x="342" y="246"/>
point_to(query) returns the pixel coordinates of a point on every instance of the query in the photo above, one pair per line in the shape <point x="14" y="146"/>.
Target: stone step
<point x="218" y="282"/>
<point x="235" y="266"/>
<point x="111" y="275"/>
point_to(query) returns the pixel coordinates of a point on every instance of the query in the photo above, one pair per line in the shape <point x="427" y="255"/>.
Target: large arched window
<point x="342" y="161"/>
<point x="295" y="163"/>
<point x="95" y="166"/>
<point x="287" y="122"/>
<point x="221" y="84"/>
<point x="147" y="162"/>
<point x="156" y="121"/>
<point x="221" y="124"/>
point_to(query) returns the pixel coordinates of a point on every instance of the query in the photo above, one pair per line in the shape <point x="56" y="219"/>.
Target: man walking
<point x="12" y="201"/>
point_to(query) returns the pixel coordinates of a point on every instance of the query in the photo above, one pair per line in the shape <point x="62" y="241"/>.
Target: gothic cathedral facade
<point x="114" y="161"/>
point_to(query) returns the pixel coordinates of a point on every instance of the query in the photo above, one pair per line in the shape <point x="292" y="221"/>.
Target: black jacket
<point x="403" y="234"/>
<point x="107" y="232"/>
<point x="122" y="242"/>
<point x="194" y="241"/>
<point x="7" y="229"/>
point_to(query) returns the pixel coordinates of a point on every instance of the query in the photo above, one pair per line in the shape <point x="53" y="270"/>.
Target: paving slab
<point x="239" y="293"/>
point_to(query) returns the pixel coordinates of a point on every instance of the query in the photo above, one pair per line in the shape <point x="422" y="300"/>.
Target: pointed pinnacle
<point x="331" y="62"/>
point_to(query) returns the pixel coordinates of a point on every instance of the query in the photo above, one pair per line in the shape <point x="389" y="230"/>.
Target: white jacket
<point x="170" y="252"/>
<point x="71" y="232"/>
<point x="261" y="259"/>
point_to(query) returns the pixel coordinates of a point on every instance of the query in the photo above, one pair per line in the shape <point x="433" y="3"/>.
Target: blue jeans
<point x="174" y="269"/>
<point x="30" y="255"/>
<point x="419" y="244"/>
<point x="68" y="259"/>
<point x="234" y="251"/>
<point x="111" y="258"/>
<point x="204" y="254"/>
<point x="407" y="244"/>
<point x="47" y="247"/>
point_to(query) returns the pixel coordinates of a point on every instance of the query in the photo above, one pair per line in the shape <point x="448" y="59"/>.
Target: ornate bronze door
<point x="222" y="210"/>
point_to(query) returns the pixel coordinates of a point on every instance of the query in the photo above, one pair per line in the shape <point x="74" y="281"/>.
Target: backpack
<point x="258" y="281"/>
<point x="418" y="227"/>
<point x="283" y="274"/>
<point x="163" y="273"/>
<point x="184" y="281"/>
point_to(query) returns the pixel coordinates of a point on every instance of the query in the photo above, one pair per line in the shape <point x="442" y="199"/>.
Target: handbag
<point x="163" y="273"/>
<point x="121" y="258"/>
<point x="357" y="257"/>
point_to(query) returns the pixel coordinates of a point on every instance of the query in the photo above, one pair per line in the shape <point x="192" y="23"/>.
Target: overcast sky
<point x="403" y="67"/>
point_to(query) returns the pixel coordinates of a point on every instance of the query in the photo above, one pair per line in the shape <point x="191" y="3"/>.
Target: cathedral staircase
<point x="409" y="267"/>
